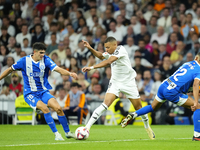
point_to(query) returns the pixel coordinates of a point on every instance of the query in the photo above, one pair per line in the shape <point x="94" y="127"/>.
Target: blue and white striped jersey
<point x="184" y="77"/>
<point x="35" y="74"/>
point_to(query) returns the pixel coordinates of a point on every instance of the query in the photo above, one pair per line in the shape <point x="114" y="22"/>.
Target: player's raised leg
<point x="109" y="98"/>
<point x="61" y="117"/>
<point x="138" y="105"/>
<point x="144" y="110"/>
<point x="49" y="120"/>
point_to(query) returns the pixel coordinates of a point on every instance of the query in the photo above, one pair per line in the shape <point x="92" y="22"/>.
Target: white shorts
<point x="129" y="89"/>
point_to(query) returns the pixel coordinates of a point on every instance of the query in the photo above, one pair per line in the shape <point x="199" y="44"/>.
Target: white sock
<point x="145" y="120"/>
<point x="96" y="114"/>
<point x="196" y="134"/>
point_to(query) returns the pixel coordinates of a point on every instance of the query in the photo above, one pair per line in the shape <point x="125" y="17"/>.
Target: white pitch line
<point x="84" y="141"/>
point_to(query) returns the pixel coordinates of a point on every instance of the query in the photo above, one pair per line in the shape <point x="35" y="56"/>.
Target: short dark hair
<point x="113" y="22"/>
<point x="141" y="40"/>
<point x="53" y="24"/>
<point x="35" y="17"/>
<point x="25" y="39"/>
<point x="6" y="17"/>
<point x="153" y="17"/>
<point x="84" y="58"/>
<point x="137" y="51"/>
<point x="50" y="12"/>
<point x="93" y="7"/>
<point x="69" y="24"/>
<point x="4" y="28"/>
<point x="53" y="34"/>
<point x="167" y="8"/>
<point x="89" y="34"/>
<point x="24" y="24"/>
<point x="39" y="46"/>
<point x="110" y="39"/>
<point x="155" y="42"/>
<point x="189" y="14"/>
<point x="91" y="56"/>
<point x="74" y="84"/>
<point x="137" y="57"/>
<point x="61" y="89"/>
<point x="174" y="33"/>
<point x="38" y="24"/>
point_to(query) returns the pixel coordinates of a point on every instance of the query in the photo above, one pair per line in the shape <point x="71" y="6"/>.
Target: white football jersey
<point x="121" y="68"/>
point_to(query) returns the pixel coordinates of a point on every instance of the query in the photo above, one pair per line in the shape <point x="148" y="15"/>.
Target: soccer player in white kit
<point x="122" y="80"/>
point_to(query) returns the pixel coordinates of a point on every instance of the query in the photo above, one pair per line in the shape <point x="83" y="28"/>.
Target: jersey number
<point x="182" y="72"/>
<point x="31" y="98"/>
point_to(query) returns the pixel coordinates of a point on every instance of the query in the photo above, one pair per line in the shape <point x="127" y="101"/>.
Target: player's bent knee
<point x="42" y="107"/>
<point x="58" y="109"/>
<point x="137" y="107"/>
<point x="45" y="110"/>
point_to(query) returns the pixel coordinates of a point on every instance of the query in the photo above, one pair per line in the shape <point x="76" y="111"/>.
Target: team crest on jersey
<point x="116" y="52"/>
<point x="42" y="67"/>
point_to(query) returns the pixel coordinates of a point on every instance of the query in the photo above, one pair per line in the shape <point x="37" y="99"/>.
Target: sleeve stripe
<point x="13" y="67"/>
<point x="197" y="78"/>
<point x="54" y="68"/>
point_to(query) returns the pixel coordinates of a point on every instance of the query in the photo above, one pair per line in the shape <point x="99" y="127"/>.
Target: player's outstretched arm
<point x="101" y="64"/>
<point x="94" y="52"/>
<point x="195" y="93"/>
<point x="6" y="72"/>
<point x="65" y="72"/>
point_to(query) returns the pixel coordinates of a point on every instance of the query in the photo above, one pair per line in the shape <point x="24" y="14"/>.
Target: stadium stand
<point x="158" y="35"/>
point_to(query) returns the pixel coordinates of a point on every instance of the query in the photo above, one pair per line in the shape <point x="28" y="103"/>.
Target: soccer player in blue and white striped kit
<point x="174" y="89"/>
<point x="35" y="69"/>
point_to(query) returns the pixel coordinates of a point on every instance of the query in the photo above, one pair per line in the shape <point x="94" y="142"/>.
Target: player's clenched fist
<point x="85" y="69"/>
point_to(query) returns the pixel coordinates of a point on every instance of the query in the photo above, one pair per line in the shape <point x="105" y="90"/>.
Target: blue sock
<point x="50" y="122"/>
<point x="144" y="110"/>
<point x="63" y="121"/>
<point x="196" y="120"/>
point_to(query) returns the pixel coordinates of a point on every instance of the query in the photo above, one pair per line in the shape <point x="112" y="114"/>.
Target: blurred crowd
<point x="159" y="36"/>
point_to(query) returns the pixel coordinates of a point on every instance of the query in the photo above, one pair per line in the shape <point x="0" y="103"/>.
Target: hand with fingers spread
<point x="86" y="44"/>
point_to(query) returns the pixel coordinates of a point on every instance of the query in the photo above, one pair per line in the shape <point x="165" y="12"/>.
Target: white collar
<point x="33" y="60"/>
<point x="197" y="62"/>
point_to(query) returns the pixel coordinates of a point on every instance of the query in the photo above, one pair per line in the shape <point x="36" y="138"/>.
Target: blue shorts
<point x="33" y="97"/>
<point x="171" y="95"/>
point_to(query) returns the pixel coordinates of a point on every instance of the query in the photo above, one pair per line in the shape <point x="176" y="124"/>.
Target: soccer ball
<point x="82" y="133"/>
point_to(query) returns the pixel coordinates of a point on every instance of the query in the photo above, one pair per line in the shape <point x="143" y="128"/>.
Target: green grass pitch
<point x="39" y="137"/>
